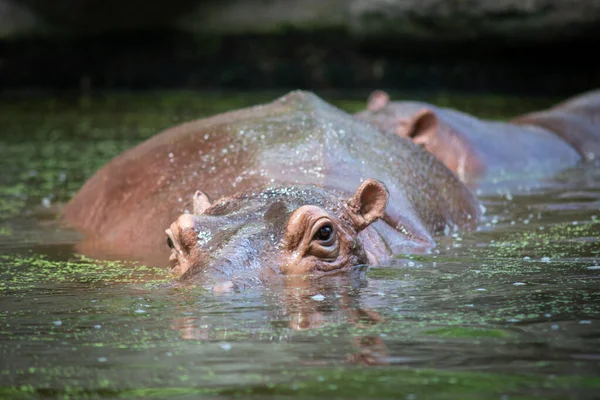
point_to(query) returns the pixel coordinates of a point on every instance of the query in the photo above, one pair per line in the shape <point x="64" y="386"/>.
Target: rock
<point x="468" y="45"/>
<point x="429" y="20"/>
<point x="464" y="20"/>
<point x="266" y="16"/>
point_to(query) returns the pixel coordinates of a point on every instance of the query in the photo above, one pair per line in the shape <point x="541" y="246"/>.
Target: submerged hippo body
<point x="539" y="144"/>
<point x="303" y="187"/>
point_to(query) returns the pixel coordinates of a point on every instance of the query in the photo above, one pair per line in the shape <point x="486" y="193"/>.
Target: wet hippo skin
<point x="292" y="187"/>
<point x="541" y="143"/>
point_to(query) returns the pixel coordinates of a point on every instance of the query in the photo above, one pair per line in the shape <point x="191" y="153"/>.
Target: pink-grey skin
<point x="539" y="144"/>
<point x="295" y="187"/>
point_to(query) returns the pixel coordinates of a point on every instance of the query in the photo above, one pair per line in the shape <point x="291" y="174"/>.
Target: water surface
<point x="509" y="311"/>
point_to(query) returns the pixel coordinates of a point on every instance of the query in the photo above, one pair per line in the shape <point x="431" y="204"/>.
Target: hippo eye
<point x="170" y="242"/>
<point x="324" y="233"/>
<point x="324" y="243"/>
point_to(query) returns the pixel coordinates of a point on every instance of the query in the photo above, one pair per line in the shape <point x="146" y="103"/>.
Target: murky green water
<point x="508" y="312"/>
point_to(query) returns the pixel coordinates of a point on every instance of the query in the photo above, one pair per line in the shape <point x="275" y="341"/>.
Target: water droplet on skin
<point x="203" y="237"/>
<point x="318" y="297"/>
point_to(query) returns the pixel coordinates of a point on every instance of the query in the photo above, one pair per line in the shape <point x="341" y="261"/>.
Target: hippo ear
<point x="201" y="202"/>
<point x="368" y="203"/>
<point x="422" y="127"/>
<point x="446" y="143"/>
<point x="377" y="100"/>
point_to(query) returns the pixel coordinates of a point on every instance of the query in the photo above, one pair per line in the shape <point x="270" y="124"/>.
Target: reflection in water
<point x="310" y="304"/>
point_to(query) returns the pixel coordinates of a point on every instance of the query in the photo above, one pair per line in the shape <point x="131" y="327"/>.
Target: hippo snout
<point x="181" y="240"/>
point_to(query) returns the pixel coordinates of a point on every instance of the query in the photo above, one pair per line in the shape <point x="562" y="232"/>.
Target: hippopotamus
<point x="538" y="144"/>
<point x="294" y="187"/>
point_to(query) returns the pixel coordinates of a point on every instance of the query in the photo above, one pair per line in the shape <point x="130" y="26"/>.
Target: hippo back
<point x="576" y="121"/>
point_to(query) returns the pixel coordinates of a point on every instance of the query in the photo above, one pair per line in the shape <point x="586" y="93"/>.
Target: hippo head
<point x="294" y="230"/>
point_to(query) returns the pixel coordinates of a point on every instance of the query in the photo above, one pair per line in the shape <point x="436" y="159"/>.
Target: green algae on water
<point x="566" y="239"/>
<point x="382" y="382"/>
<point x="463" y="332"/>
<point x="21" y="273"/>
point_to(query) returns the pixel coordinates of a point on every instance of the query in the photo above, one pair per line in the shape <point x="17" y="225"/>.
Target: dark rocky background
<point x="534" y="47"/>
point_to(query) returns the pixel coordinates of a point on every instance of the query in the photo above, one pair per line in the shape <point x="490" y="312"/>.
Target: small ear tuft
<point x="422" y="127"/>
<point x="377" y="100"/>
<point x="368" y="203"/>
<point x="201" y="202"/>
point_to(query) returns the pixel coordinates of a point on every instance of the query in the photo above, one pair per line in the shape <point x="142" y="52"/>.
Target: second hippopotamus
<point x="538" y="144"/>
